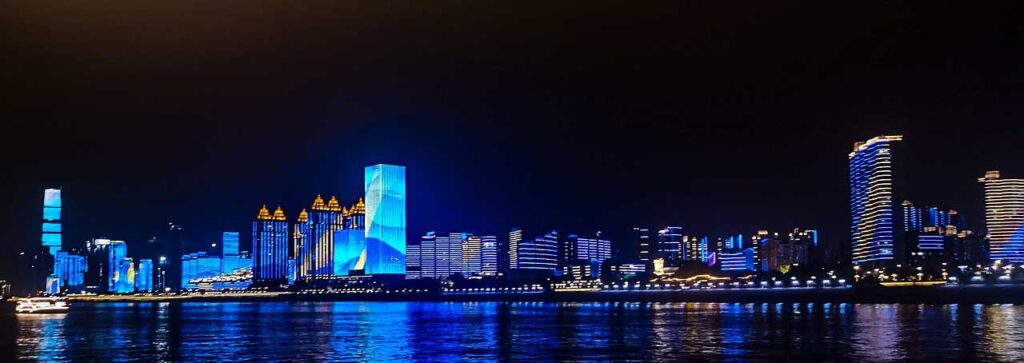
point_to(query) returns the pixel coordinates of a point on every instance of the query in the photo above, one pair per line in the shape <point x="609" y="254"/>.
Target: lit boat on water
<point x="42" y="305"/>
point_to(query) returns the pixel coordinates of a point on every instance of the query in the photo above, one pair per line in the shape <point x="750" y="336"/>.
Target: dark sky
<point x="721" y="118"/>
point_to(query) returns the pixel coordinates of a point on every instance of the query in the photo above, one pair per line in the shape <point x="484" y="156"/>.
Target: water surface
<point x="388" y="331"/>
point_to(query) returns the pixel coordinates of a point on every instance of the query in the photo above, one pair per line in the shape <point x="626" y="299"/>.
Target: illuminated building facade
<point x="385" y="219"/>
<point x="670" y="245"/>
<point x="514" y="238"/>
<point x="540" y="253"/>
<point x="228" y="244"/>
<point x="349" y="251"/>
<point x="117" y="251"/>
<point x="871" y="200"/>
<point x="124" y="280"/>
<point x="581" y="255"/>
<point x="144" y="276"/>
<point x="489" y="255"/>
<point x="318" y="253"/>
<point x="70" y="270"/>
<point x="1004" y="217"/>
<point x="642" y="238"/>
<point x="270" y="247"/>
<point x="471" y="257"/>
<point x="737" y="260"/>
<point x="51" y="237"/>
<point x="231" y="259"/>
<point x="437" y="256"/>
<point x="199" y="265"/>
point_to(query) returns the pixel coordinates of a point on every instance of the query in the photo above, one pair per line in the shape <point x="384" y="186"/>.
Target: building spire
<point x="264" y="213"/>
<point x="318" y="203"/>
<point x="279" y="214"/>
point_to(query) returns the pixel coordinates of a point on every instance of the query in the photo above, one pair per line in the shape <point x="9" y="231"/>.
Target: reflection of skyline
<point x="379" y="331"/>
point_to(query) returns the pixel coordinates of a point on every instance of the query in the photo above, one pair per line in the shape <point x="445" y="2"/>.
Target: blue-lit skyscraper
<point x="385" y="219"/>
<point x="871" y="200"/>
<point x="270" y="247"/>
<point x="489" y="255"/>
<point x="124" y="281"/>
<point x="229" y="244"/>
<point x="144" y="276"/>
<point x="349" y="250"/>
<point x="51" y="237"/>
<point x="116" y="252"/>
<point x="1004" y="217"/>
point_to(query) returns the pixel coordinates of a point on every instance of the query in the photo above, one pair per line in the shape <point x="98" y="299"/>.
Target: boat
<point x="42" y="305"/>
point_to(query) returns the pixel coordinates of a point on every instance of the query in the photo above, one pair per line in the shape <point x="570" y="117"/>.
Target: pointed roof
<point x="345" y="212"/>
<point x="303" y="216"/>
<point x="360" y="207"/>
<point x="318" y="203"/>
<point x="279" y="214"/>
<point x="333" y="205"/>
<point x="263" y="213"/>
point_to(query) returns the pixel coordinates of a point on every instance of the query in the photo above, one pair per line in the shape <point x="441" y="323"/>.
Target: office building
<point x="229" y="244"/>
<point x="581" y="255"/>
<point x="317" y="252"/>
<point x="670" y="245"/>
<point x="540" y="253"/>
<point x="70" y="270"/>
<point x="349" y="251"/>
<point x="144" y="276"/>
<point x="514" y="238"/>
<point x="385" y="219"/>
<point x="644" y="247"/>
<point x="1004" y="217"/>
<point x="471" y="257"/>
<point x="489" y="255"/>
<point x="871" y="200"/>
<point x="437" y="256"/>
<point x="197" y="266"/>
<point x="124" y="276"/>
<point x="737" y="260"/>
<point x="117" y="251"/>
<point x="270" y="248"/>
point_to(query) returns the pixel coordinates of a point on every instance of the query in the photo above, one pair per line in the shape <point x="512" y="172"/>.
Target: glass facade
<point x="489" y="255"/>
<point x="51" y="237"/>
<point x="116" y="252"/>
<point x="385" y="219"/>
<point x="540" y="253"/>
<point x="349" y="249"/>
<point x="871" y="200"/>
<point x="144" y="276"/>
<point x="229" y="244"/>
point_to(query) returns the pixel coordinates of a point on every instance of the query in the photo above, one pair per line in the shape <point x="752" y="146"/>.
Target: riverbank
<point x="876" y="295"/>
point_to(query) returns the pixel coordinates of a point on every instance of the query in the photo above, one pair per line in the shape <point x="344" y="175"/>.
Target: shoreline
<point x="870" y="295"/>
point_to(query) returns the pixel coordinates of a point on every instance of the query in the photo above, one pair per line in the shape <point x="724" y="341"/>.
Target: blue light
<point x="385" y="219"/>
<point x="349" y="245"/>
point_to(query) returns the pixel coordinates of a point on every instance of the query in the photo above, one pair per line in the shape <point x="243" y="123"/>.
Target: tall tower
<point x="324" y="220"/>
<point x="1004" y="217"/>
<point x="514" y="238"/>
<point x="269" y="247"/>
<point x="300" y="244"/>
<point x="385" y="219"/>
<point x="871" y="200"/>
<point x="51" y="221"/>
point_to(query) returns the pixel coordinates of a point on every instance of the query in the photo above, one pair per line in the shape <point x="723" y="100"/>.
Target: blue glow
<point x="51" y="198"/>
<point x="144" y="276"/>
<point x="195" y="266"/>
<point x="385" y="219"/>
<point x="116" y="252"/>
<point x="229" y="243"/>
<point x="51" y="240"/>
<point x="51" y="227"/>
<point x="270" y="250"/>
<point x="349" y="245"/>
<point x="124" y="282"/>
<point x="871" y="204"/>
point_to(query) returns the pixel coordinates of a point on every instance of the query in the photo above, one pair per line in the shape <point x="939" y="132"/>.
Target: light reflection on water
<point x="391" y="331"/>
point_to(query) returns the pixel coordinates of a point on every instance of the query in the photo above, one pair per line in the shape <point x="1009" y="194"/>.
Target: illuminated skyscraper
<point x="581" y="254"/>
<point x="871" y="200"/>
<point x="437" y="256"/>
<point x="471" y="257"/>
<point x="349" y="251"/>
<point x="540" y="253"/>
<point x="324" y="220"/>
<point x="228" y="243"/>
<point x="301" y="246"/>
<point x="645" y="250"/>
<point x="514" y="238"/>
<point x="144" y="276"/>
<point x="124" y="281"/>
<point x="1004" y="217"/>
<point x="199" y="265"/>
<point x="51" y="220"/>
<point x="270" y="247"/>
<point x="70" y="270"/>
<point x="670" y="244"/>
<point x="385" y="219"/>
<point x="489" y="255"/>
<point x="117" y="251"/>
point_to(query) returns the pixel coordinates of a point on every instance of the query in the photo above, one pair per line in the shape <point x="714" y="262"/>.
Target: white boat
<point x="42" y="305"/>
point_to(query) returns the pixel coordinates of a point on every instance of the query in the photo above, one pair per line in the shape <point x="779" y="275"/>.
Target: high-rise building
<point x="144" y="276"/>
<point x="170" y="261"/>
<point x="228" y="243"/>
<point x="385" y="219"/>
<point x="489" y="255"/>
<point x="581" y="255"/>
<point x="670" y="245"/>
<point x="540" y="253"/>
<point x="117" y="251"/>
<point x="514" y="238"/>
<point x="70" y="270"/>
<point x="737" y="260"/>
<point x="318" y="254"/>
<point x="349" y="251"/>
<point x="270" y="247"/>
<point x="645" y="249"/>
<point x="437" y="256"/>
<point x="1004" y="217"/>
<point x="124" y="279"/>
<point x="51" y="237"/>
<point x="196" y="266"/>
<point x="471" y="257"/>
<point x="871" y="200"/>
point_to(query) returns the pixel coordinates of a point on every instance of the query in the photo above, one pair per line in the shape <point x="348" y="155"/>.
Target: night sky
<point x="722" y="119"/>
